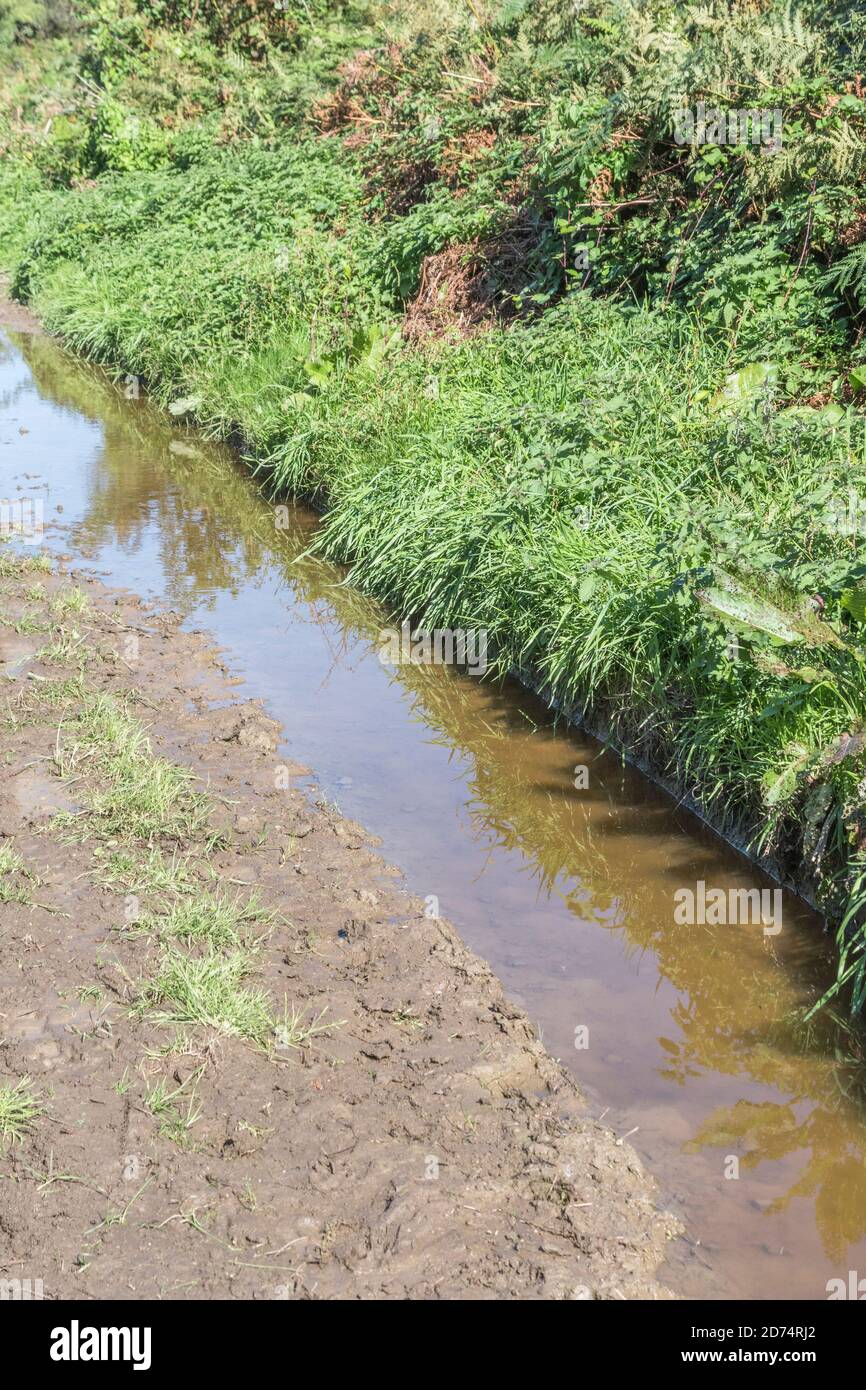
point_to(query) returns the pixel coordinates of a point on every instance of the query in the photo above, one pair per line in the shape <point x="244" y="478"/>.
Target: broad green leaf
<point x="318" y="370"/>
<point x="777" y="785"/>
<point x="854" y="602"/>
<point x="744" y="386"/>
<point x="587" y="588"/>
<point x="733" y="604"/>
<point x="750" y="612"/>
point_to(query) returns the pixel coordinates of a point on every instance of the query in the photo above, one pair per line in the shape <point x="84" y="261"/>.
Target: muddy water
<point x="694" y="1048"/>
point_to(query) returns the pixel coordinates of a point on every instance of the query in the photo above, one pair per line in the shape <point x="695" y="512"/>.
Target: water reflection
<point x="568" y="892"/>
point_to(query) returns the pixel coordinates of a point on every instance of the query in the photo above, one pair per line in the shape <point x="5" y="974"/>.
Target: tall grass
<point x="645" y="529"/>
<point x="555" y="490"/>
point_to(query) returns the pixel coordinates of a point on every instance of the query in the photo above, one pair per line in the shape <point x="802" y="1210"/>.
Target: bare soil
<point x="471" y="286"/>
<point x="14" y="315"/>
<point x="424" y="1146"/>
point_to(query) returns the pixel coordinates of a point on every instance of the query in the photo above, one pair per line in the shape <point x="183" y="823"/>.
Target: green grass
<point x="216" y="920"/>
<point x="12" y="871"/>
<point x="209" y="990"/>
<point x="20" y="1108"/>
<point x="71" y="600"/>
<point x="295" y="1029"/>
<point x="557" y="494"/>
<point x="137" y="796"/>
<point x="67" y="649"/>
<point x="26" y="624"/>
<point x="31" y="562"/>
<point x="176" y="1109"/>
<point x="147" y="872"/>
<point x="48" y="694"/>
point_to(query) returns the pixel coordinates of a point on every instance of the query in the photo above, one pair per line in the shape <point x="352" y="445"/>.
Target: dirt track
<point x="421" y="1145"/>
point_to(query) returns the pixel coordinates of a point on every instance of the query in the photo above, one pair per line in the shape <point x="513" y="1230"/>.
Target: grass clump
<point x="176" y="1109"/>
<point x="140" y="797"/>
<point x="296" y="1030"/>
<point x="71" y="600"/>
<point x="216" y="921"/>
<point x="13" y="871"/>
<point x="145" y="873"/>
<point x="20" y="1108"/>
<point x="210" y="990"/>
<point x="14" y="564"/>
<point x="25" y="625"/>
<point x="66" y="649"/>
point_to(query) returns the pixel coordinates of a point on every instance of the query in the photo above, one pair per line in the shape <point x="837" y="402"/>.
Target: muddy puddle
<point x="685" y="1037"/>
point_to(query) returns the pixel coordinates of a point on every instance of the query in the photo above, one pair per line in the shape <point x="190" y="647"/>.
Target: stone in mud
<point x="297" y="826"/>
<point x="353" y="929"/>
<point x="513" y="1070"/>
<point x="247" y="725"/>
<point x="260" y="734"/>
<point x="351" y="834"/>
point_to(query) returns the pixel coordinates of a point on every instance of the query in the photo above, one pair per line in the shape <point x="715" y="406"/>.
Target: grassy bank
<point x="547" y="370"/>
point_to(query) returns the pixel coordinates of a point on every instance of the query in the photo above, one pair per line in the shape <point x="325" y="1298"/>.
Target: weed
<point x="294" y="1030"/>
<point x="12" y="871"/>
<point x="20" y="1108"/>
<point x="67" y="648"/>
<point x="176" y="1110"/>
<point x="118" y="1217"/>
<point x="216" y="920"/>
<point x="90" y="993"/>
<point x="248" y="1198"/>
<point x="208" y="990"/>
<point x="14" y="565"/>
<point x="144" y="873"/>
<point x="405" y="1018"/>
<point x="146" y="798"/>
<point x="26" y="624"/>
<point x="72" y="600"/>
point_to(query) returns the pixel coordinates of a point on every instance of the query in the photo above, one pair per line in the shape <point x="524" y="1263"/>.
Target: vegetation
<point x="20" y="1108"/>
<point x="137" y="796"/>
<point x="14" y="876"/>
<point x="199" y="946"/>
<point x="551" y="366"/>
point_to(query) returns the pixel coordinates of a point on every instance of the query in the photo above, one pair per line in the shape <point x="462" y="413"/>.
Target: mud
<point x="14" y="315"/>
<point x="425" y="1145"/>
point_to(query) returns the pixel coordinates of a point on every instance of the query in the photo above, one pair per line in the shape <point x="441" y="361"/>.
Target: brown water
<point x="694" y="1046"/>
